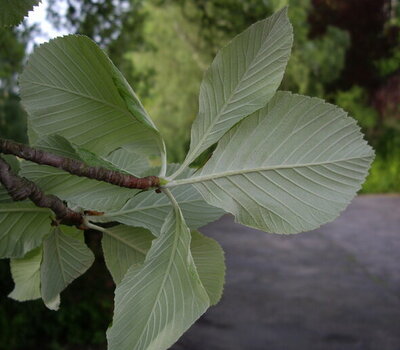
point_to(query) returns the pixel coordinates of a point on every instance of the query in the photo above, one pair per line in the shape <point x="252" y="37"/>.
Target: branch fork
<point x="20" y="188"/>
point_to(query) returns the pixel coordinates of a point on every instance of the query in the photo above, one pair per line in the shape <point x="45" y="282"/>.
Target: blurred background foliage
<point x="345" y="51"/>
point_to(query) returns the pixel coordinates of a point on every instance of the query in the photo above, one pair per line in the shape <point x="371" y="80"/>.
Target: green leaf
<point x="26" y="275"/>
<point x="149" y="209"/>
<point x="242" y="78"/>
<point x="77" y="191"/>
<point x="289" y="167"/>
<point x="122" y="159"/>
<point x="131" y="100"/>
<point x="13" y="11"/>
<point x="4" y="197"/>
<point x="23" y="227"/>
<point x="92" y="159"/>
<point x="15" y="166"/>
<point x="126" y="160"/>
<point x="12" y="161"/>
<point x="156" y="303"/>
<point x="123" y="247"/>
<point x="65" y="258"/>
<point x="209" y="259"/>
<point x="70" y="87"/>
<point x="53" y="304"/>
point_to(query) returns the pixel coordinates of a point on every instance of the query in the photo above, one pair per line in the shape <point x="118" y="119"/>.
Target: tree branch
<point x="20" y="189"/>
<point x="77" y="167"/>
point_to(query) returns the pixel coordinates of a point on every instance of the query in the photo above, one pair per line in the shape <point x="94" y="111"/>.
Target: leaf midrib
<point x="129" y="211"/>
<point x="129" y="244"/>
<point x="84" y="96"/>
<point x="214" y="176"/>
<point x="167" y="272"/>
<point x="222" y="110"/>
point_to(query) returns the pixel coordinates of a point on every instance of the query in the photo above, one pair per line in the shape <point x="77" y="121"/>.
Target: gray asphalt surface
<point x="335" y="288"/>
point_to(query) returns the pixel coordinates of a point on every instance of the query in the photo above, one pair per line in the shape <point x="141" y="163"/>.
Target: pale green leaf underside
<point x="53" y="304"/>
<point x="149" y="209"/>
<point x="242" y="78"/>
<point x="14" y="163"/>
<point x="26" y="276"/>
<point x="91" y="159"/>
<point x="23" y="227"/>
<point x="12" y="12"/>
<point x="156" y="303"/>
<point x="78" y="191"/>
<point x="125" y="246"/>
<point x="129" y="161"/>
<point x="65" y="258"/>
<point x="209" y="259"/>
<point x="289" y="167"/>
<point x="69" y="88"/>
<point x="4" y="197"/>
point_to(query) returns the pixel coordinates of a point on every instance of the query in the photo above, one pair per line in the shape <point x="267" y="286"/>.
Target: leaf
<point x="15" y="166"/>
<point x="131" y="100"/>
<point x="289" y="167"/>
<point x="123" y="247"/>
<point x="4" y="197"/>
<point x="65" y="258"/>
<point x="122" y="159"/>
<point x="77" y="191"/>
<point x="242" y="78"/>
<point x="92" y="159"/>
<point x="129" y="161"/>
<point x="13" y="11"/>
<point x="156" y="303"/>
<point x="12" y="161"/>
<point x="23" y="227"/>
<point x="26" y="275"/>
<point x="70" y="87"/>
<point x="149" y="209"/>
<point x="209" y="259"/>
<point x="53" y="304"/>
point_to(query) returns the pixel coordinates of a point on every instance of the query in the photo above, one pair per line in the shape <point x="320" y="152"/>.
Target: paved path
<point x="336" y="288"/>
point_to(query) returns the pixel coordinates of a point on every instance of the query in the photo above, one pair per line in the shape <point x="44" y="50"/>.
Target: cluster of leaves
<point x="186" y="35"/>
<point x="283" y="163"/>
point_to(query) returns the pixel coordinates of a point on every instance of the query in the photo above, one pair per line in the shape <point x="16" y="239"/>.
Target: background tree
<point x="13" y="43"/>
<point x="117" y="26"/>
<point x="368" y="85"/>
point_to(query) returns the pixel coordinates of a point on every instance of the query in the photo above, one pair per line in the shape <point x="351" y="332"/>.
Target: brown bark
<point x="77" y="167"/>
<point x="20" y="189"/>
